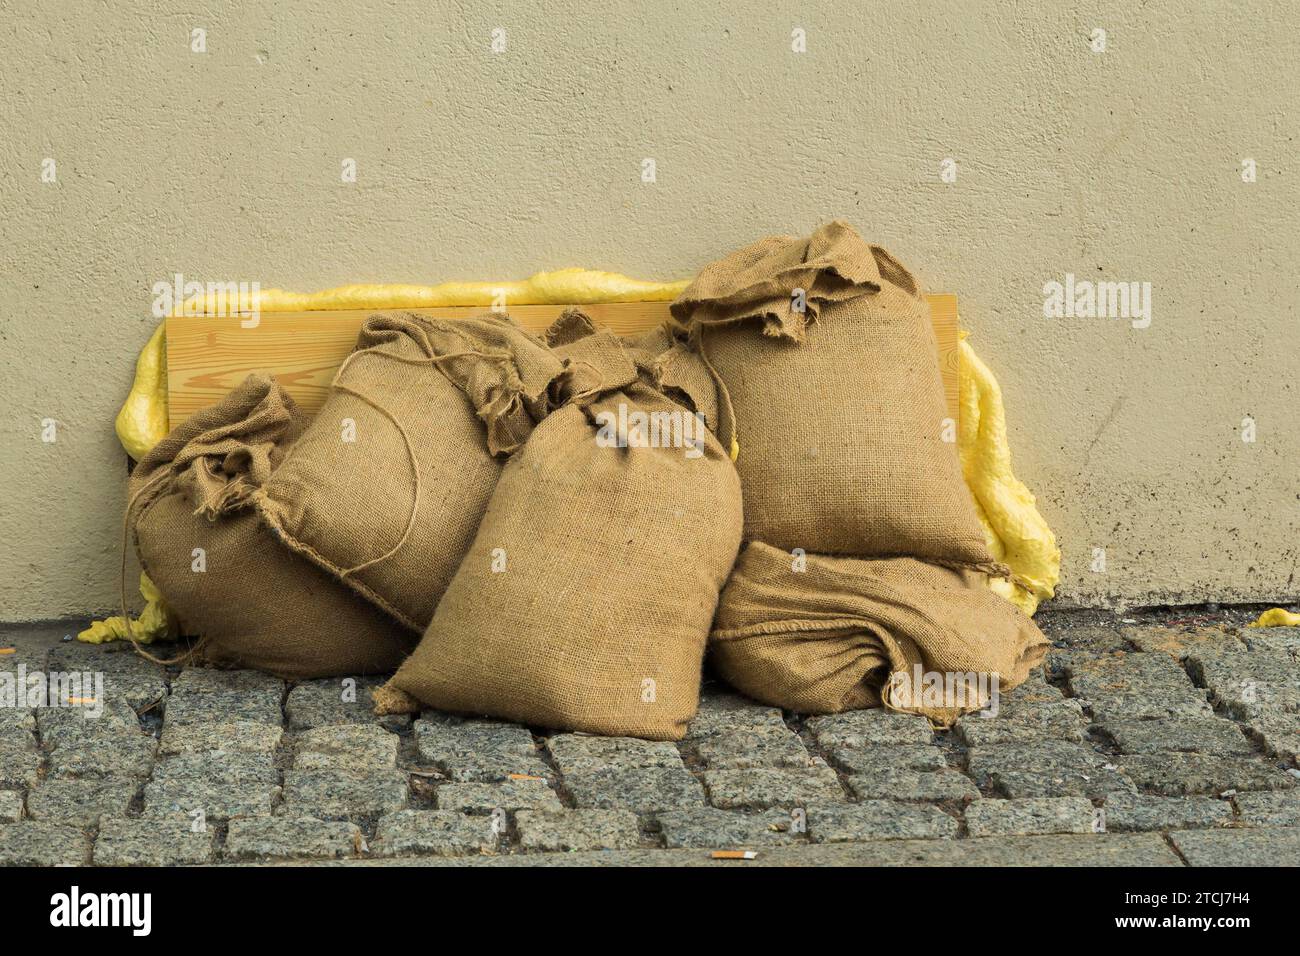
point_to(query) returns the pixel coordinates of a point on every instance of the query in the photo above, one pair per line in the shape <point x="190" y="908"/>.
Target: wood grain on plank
<point x="207" y="356"/>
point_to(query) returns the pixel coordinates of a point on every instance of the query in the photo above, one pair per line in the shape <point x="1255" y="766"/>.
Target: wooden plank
<point x="207" y="356"/>
<point x="947" y="333"/>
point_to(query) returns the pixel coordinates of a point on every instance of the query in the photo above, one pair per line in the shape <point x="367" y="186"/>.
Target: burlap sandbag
<point x="839" y="408"/>
<point x="585" y="600"/>
<point x="250" y="601"/>
<point x="824" y="634"/>
<point x="387" y="486"/>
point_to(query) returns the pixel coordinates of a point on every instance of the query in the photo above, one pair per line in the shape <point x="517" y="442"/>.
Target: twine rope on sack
<point x="134" y="504"/>
<point x="587" y="395"/>
<point x="415" y="474"/>
<point x="727" y="412"/>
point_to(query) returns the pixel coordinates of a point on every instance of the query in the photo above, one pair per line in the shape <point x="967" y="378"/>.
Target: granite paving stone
<point x="642" y="789"/>
<point x="1182" y="774"/>
<point x="127" y="677"/>
<point x="1056" y="719"/>
<point x="1077" y="850"/>
<point x="711" y="828"/>
<point x="283" y="838"/>
<point x="11" y="806"/>
<point x="1180" y="642"/>
<point x="124" y="757"/>
<point x="888" y="758"/>
<point x="20" y="765"/>
<point x="1034" y="689"/>
<point x="913" y="785"/>
<point x="218" y="708"/>
<point x="209" y="696"/>
<point x="336" y="700"/>
<point x="346" y="747"/>
<point x="246" y="684"/>
<point x="478" y="750"/>
<point x="436" y="832"/>
<point x="570" y="830"/>
<point x="252" y="737"/>
<point x="582" y="752"/>
<point x="217" y="766"/>
<point x="151" y="842"/>
<point x="1278" y="733"/>
<point x="767" y="787"/>
<point x="214" y="798"/>
<point x="1209" y="735"/>
<point x="42" y="843"/>
<point x="866" y="728"/>
<point x="507" y="795"/>
<point x="58" y="726"/>
<point x="1279" y="640"/>
<point x="17" y="726"/>
<point x="1035" y="815"/>
<point x="11" y="658"/>
<point x="1046" y="768"/>
<point x="1127" y="812"/>
<point x="1136" y="685"/>
<point x="1249" y="685"/>
<point x="81" y="802"/>
<point x="726" y="713"/>
<point x="742" y="751"/>
<point x="1274" y="846"/>
<point x="1279" y="808"/>
<point x="1135" y="739"/>
<point x="878" y="820"/>
<point x="331" y="795"/>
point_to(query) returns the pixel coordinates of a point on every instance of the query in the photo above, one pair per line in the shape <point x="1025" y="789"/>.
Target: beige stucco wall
<point x="1122" y="165"/>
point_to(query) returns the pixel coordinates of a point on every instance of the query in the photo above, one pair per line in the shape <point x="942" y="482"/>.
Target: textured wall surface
<point x="1121" y="165"/>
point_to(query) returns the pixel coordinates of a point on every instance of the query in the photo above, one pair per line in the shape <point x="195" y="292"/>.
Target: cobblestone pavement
<point x="1159" y="740"/>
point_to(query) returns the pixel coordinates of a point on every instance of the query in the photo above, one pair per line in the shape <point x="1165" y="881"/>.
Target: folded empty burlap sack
<point x="828" y="354"/>
<point x="250" y="601"/>
<point x="819" y="635"/>
<point x="585" y="600"/>
<point x="386" y="487"/>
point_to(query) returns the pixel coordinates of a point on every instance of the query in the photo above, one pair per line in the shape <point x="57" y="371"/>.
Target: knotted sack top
<point x="502" y="369"/>
<point x="760" y="280"/>
<point x="221" y="454"/>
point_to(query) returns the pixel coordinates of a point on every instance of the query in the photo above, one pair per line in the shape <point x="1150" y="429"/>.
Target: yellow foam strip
<point x="1016" y="533"/>
<point x="559" y="287"/>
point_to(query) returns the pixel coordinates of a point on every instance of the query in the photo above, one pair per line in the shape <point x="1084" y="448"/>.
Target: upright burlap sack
<point x="250" y="601"/>
<point x="585" y="600"/>
<point x="829" y="358"/>
<point x="825" y="634"/>
<point x="387" y="486"/>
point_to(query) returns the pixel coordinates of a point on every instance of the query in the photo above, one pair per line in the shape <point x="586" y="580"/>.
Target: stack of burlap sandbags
<point x="866" y="558"/>
<point x="560" y="517"/>
<point x="555" y="516"/>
